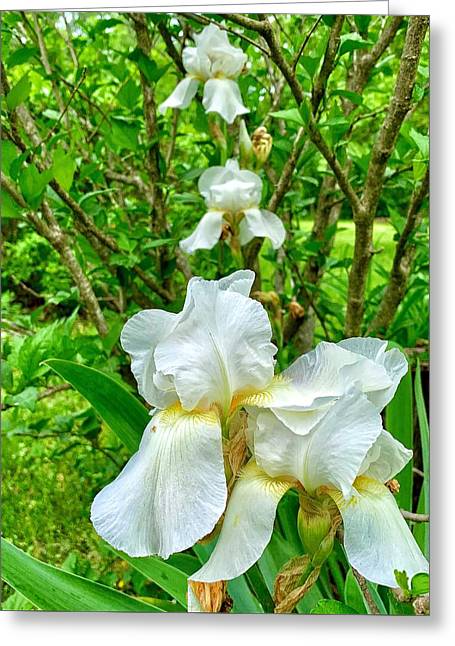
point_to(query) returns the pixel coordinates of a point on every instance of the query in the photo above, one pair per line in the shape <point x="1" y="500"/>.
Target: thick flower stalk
<point x="233" y="197"/>
<point x="216" y="63"/>
<point x="195" y="368"/>
<point x="345" y="457"/>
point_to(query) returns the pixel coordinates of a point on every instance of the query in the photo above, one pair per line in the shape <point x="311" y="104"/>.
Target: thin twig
<point x="415" y="518"/>
<point x="63" y="112"/>
<point x="371" y="603"/>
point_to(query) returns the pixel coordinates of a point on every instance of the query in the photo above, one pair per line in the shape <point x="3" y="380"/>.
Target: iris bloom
<point x="216" y="63"/>
<point x="192" y="367"/>
<point x="232" y="197"/>
<point x="303" y="394"/>
<point x="347" y="456"/>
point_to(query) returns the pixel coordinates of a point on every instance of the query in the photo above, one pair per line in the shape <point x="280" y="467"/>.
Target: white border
<point x="47" y="629"/>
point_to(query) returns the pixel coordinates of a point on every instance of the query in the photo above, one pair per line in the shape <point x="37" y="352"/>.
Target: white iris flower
<point x="193" y="367"/>
<point x="216" y="63"/>
<point x="233" y="197"/>
<point x="348" y="456"/>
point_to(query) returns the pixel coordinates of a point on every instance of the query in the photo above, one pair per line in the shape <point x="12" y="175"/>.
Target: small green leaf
<point x="292" y="115"/>
<point x="19" y="93"/>
<point x="420" y="584"/>
<point x="125" y="415"/>
<point x="402" y="580"/>
<point x="49" y="588"/>
<point x="9" y="207"/>
<point x="362" y="22"/>
<point x="33" y="183"/>
<point x="352" y="96"/>
<point x="129" y="94"/>
<point x="63" y="167"/>
<point x="332" y="607"/>
<point x="149" y="68"/>
<point x="310" y="64"/>
<point x="350" y="42"/>
<point x="22" y="55"/>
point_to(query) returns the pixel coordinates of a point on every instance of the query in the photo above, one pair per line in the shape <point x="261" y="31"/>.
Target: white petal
<point x="330" y="455"/>
<point x="196" y="63"/>
<point x="182" y="96"/>
<point x="206" y="234"/>
<point x="393" y="362"/>
<point x="386" y="458"/>
<point x="226" y="59"/>
<point x="217" y="176"/>
<point x="139" y="338"/>
<point x="339" y="443"/>
<point x="263" y="224"/>
<point x="247" y="526"/>
<point x="318" y="378"/>
<point x="221" y="347"/>
<point x="377" y="539"/>
<point x="240" y="281"/>
<point x="172" y="491"/>
<point x="233" y="196"/>
<point x="223" y="96"/>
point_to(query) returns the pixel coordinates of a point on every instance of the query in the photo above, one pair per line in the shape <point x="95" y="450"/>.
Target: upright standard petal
<point x="339" y="443"/>
<point x="316" y="379"/>
<point x="206" y="234"/>
<point x="172" y="491"/>
<point x="139" y="337"/>
<point x="392" y="361"/>
<point x="247" y="526"/>
<point x="264" y="224"/>
<point x="221" y="348"/>
<point x="377" y="539"/>
<point x="226" y="60"/>
<point x="223" y="96"/>
<point x="182" y="96"/>
<point x="330" y="455"/>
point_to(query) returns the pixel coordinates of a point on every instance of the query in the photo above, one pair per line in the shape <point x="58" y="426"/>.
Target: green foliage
<point x="49" y="588"/>
<point x="332" y="607"/>
<point x="126" y="416"/>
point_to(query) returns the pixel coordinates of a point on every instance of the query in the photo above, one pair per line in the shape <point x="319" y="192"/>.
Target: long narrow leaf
<point x="167" y="577"/>
<point x="125" y="415"/>
<point x="400" y="423"/>
<point x="49" y="588"/>
<point x="422" y="532"/>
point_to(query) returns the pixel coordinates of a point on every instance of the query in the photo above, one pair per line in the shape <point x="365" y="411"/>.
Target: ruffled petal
<point x="220" y="348"/>
<point x="247" y="526"/>
<point x="338" y="444"/>
<point x="377" y="539"/>
<point x="223" y="96"/>
<point x="196" y="62"/>
<point x="182" y="96"/>
<point x="330" y="455"/>
<point x="227" y="187"/>
<point x="172" y="491"/>
<point x="206" y="234"/>
<point x="392" y="361"/>
<point x="263" y="224"/>
<point x="226" y="59"/>
<point x="316" y="379"/>
<point x="386" y="458"/>
<point x="233" y="196"/>
<point x="139" y="337"/>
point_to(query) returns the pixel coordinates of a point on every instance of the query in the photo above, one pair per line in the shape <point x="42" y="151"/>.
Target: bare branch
<point x="402" y="261"/>
<point x="382" y="149"/>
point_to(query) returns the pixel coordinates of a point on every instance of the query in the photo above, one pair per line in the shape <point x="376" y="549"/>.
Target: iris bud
<point x="317" y="521"/>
